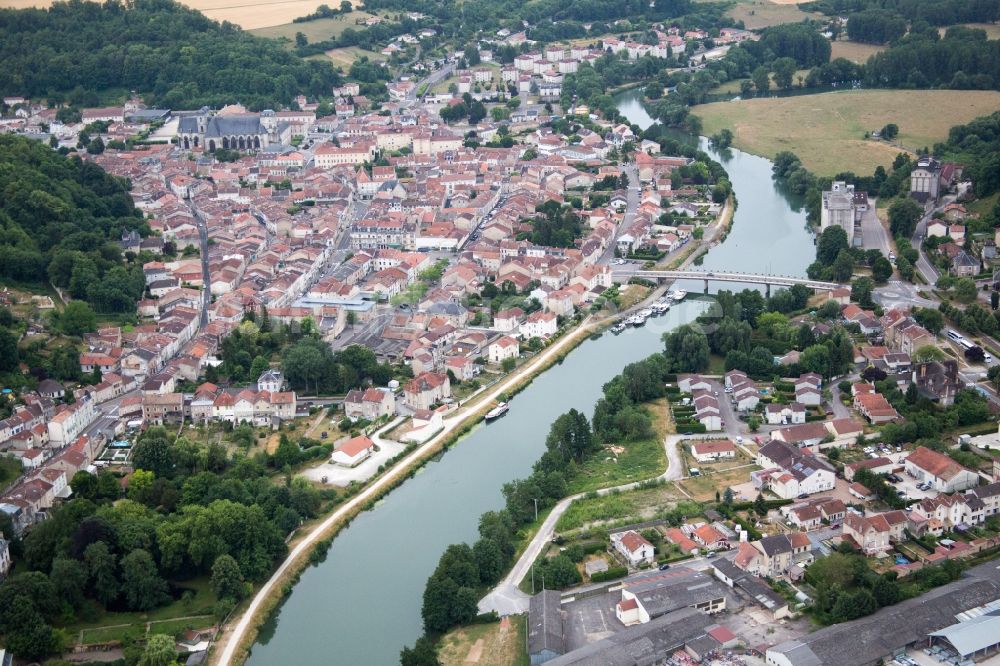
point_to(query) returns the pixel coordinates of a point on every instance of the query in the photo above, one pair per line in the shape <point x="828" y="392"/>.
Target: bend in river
<point x="361" y="605"/>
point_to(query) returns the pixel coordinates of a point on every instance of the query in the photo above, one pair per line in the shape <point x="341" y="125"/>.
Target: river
<point x="361" y="605"/>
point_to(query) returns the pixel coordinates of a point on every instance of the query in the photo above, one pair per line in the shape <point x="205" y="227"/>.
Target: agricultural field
<point x="765" y="13"/>
<point x="248" y="14"/>
<point x="827" y="131"/>
<point x="317" y="30"/>
<point x="495" y="644"/>
<point x="853" y="51"/>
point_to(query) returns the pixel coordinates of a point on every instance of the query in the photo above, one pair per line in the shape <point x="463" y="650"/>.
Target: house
<point x="875" y="408"/>
<point x="707" y="411"/>
<point x="779" y="552"/>
<point x="944" y="474"/>
<point x="789" y="471"/>
<point x="692" y="383"/>
<point x="880" y="465"/>
<point x="804" y="435"/>
<point x="677" y="537"/>
<point x="709" y="537"/>
<point x="870" y="535"/>
<point x="271" y="381"/>
<point x="711" y="451"/>
<point x="540" y="325"/>
<point x="5" y="561"/>
<point x="370" y="404"/>
<point x="353" y="451"/>
<point x="937" y="380"/>
<point x="503" y="348"/>
<point x="778" y="414"/>
<point x="508" y="320"/>
<point x="427" y="389"/>
<point x="633" y="547"/>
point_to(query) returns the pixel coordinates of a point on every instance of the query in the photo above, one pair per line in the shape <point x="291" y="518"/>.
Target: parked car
<point x="323" y="435"/>
<point x="664" y="567"/>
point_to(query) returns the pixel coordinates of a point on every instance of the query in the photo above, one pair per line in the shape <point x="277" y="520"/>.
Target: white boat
<point x="497" y="411"/>
<point x="645" y="313"/>
<point x="679" y="295"/>
<point x="618" y="328"/>
<point x="660" y="307"/>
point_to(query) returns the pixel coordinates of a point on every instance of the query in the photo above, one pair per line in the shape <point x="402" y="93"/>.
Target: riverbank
<point x="234" y="643"/>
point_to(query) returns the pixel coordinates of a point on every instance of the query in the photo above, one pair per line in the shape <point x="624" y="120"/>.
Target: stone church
<point x="232" y="128"/>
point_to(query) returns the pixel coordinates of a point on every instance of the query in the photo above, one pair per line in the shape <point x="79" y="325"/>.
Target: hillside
<point x="60" y="219"/>
<point x="175" y="56"/>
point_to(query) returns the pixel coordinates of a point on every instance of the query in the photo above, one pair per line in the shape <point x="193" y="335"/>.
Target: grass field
<point x="315" y="31"/>
<point x="346" y="56"/>
<point x="763" y="13"/>
<point x="633" y="461"/>
<point x="495" y="644"/>
<point x="827" y="131"/>
<point x="702" y="488"/>
<point x="854" y="51"/>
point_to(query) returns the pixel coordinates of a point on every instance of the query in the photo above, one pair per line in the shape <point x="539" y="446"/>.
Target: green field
<point x="315" y="31"/>
<point x="346" y="56"/>
<point x="631" y="506"/>
<point x="827" y="130"/>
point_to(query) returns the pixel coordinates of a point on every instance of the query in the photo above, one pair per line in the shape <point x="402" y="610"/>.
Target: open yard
<point x="315" y="31"/>
<point x="194" y="612"/>
<point x="631" y="506"/>
<point x="495" y="644"/>
<point x="627" y="462"/>
<point x="853" y="51"/>
<point x="764" y="13"/>
<point x="10" y="469"/>
<point x="702" y="488"/>
<point x="827" y="130"/>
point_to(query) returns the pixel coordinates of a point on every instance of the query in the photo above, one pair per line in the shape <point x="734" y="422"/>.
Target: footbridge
<point x="707" y="276"/>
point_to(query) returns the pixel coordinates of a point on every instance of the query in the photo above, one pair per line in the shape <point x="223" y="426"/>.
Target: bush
<point x="611" y="574"/>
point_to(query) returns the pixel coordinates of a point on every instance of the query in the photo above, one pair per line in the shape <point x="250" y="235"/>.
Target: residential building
<point x="712" y="451"/>
<point x="944" y="474"/>
<point x="633" y="547"/>
<point x="353" y="451"/>
<point x="370" y="404"/>
<point x="426" y="390"/>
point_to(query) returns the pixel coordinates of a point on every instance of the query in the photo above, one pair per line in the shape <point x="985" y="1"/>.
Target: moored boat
<point x="497" y="411"/>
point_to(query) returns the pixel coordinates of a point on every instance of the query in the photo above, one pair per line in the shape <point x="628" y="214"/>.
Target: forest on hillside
<point x="60" y="220"/>
<point x="175" y="56"/>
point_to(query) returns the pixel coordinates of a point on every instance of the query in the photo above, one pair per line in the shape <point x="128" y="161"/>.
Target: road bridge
<point x="767" y="279"/>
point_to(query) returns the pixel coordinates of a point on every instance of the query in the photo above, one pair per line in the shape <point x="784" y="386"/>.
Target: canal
<point x="361" y="605"/>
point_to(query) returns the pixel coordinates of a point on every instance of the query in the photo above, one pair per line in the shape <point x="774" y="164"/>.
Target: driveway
<point x="336" y="475"/>
<point x="873" y="234"/>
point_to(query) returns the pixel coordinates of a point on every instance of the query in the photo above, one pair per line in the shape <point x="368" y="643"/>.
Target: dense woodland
<point x="175" y="56"/>
<point x="60" y="220"/>
<point x="189" y="510"/>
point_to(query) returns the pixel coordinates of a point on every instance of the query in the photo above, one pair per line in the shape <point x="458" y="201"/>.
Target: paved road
<point x="924" y="266"/>
<point x="897" y="293"/>
<point x="873" y="234"/>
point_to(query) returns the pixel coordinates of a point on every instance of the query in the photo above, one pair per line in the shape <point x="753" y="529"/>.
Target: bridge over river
<point x="766" y="279"/>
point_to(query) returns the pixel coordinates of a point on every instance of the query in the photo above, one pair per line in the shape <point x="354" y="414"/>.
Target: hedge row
<point x="611" y="574"/>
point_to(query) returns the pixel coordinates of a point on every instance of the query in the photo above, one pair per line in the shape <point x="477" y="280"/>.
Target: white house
<point x="633" y="547"/>
<point x="539" y="325"/>
<point x="793" y="414"/>
<point x="353" y="451"/>
<point x="504" y="348"/>
<point x="944" y="474"/>
<point x="271" y="381"/>
<point x="710" y="451"/>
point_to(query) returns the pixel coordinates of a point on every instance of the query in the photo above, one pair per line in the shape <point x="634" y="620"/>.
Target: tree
<point x="301" y="40"/>
<point x="881" y="270"/>
<point x="843" y="267"/>
<point x="489" y="559"/>
<point x="69" y="579"/>
<point x="152" y="452"/>
<point x="928" y="353"/>
<point x="890" y="131"/>
<point x="784" y="70"/>
<point x="423" y="653"/>
<point x="144" y="588"/>
<point x="508" y="364"/>
<point x="761" y="80"/>
<point x="77" y="318"/>
<point x="831" y="242"/>
<point x="861" y="291"/>
<point x="102" y="571"/>
<point x="96" y="147"/>
<point x="727" y="496"/>
<point x="966" y="290"/>
<point x="759" y="505"/>
<point x="160" y="650"/>
<point x="570" y="436"/>
<point x="930" y="319"/>
<point x="227" y="579"/>
<point x="904" y="213"/>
